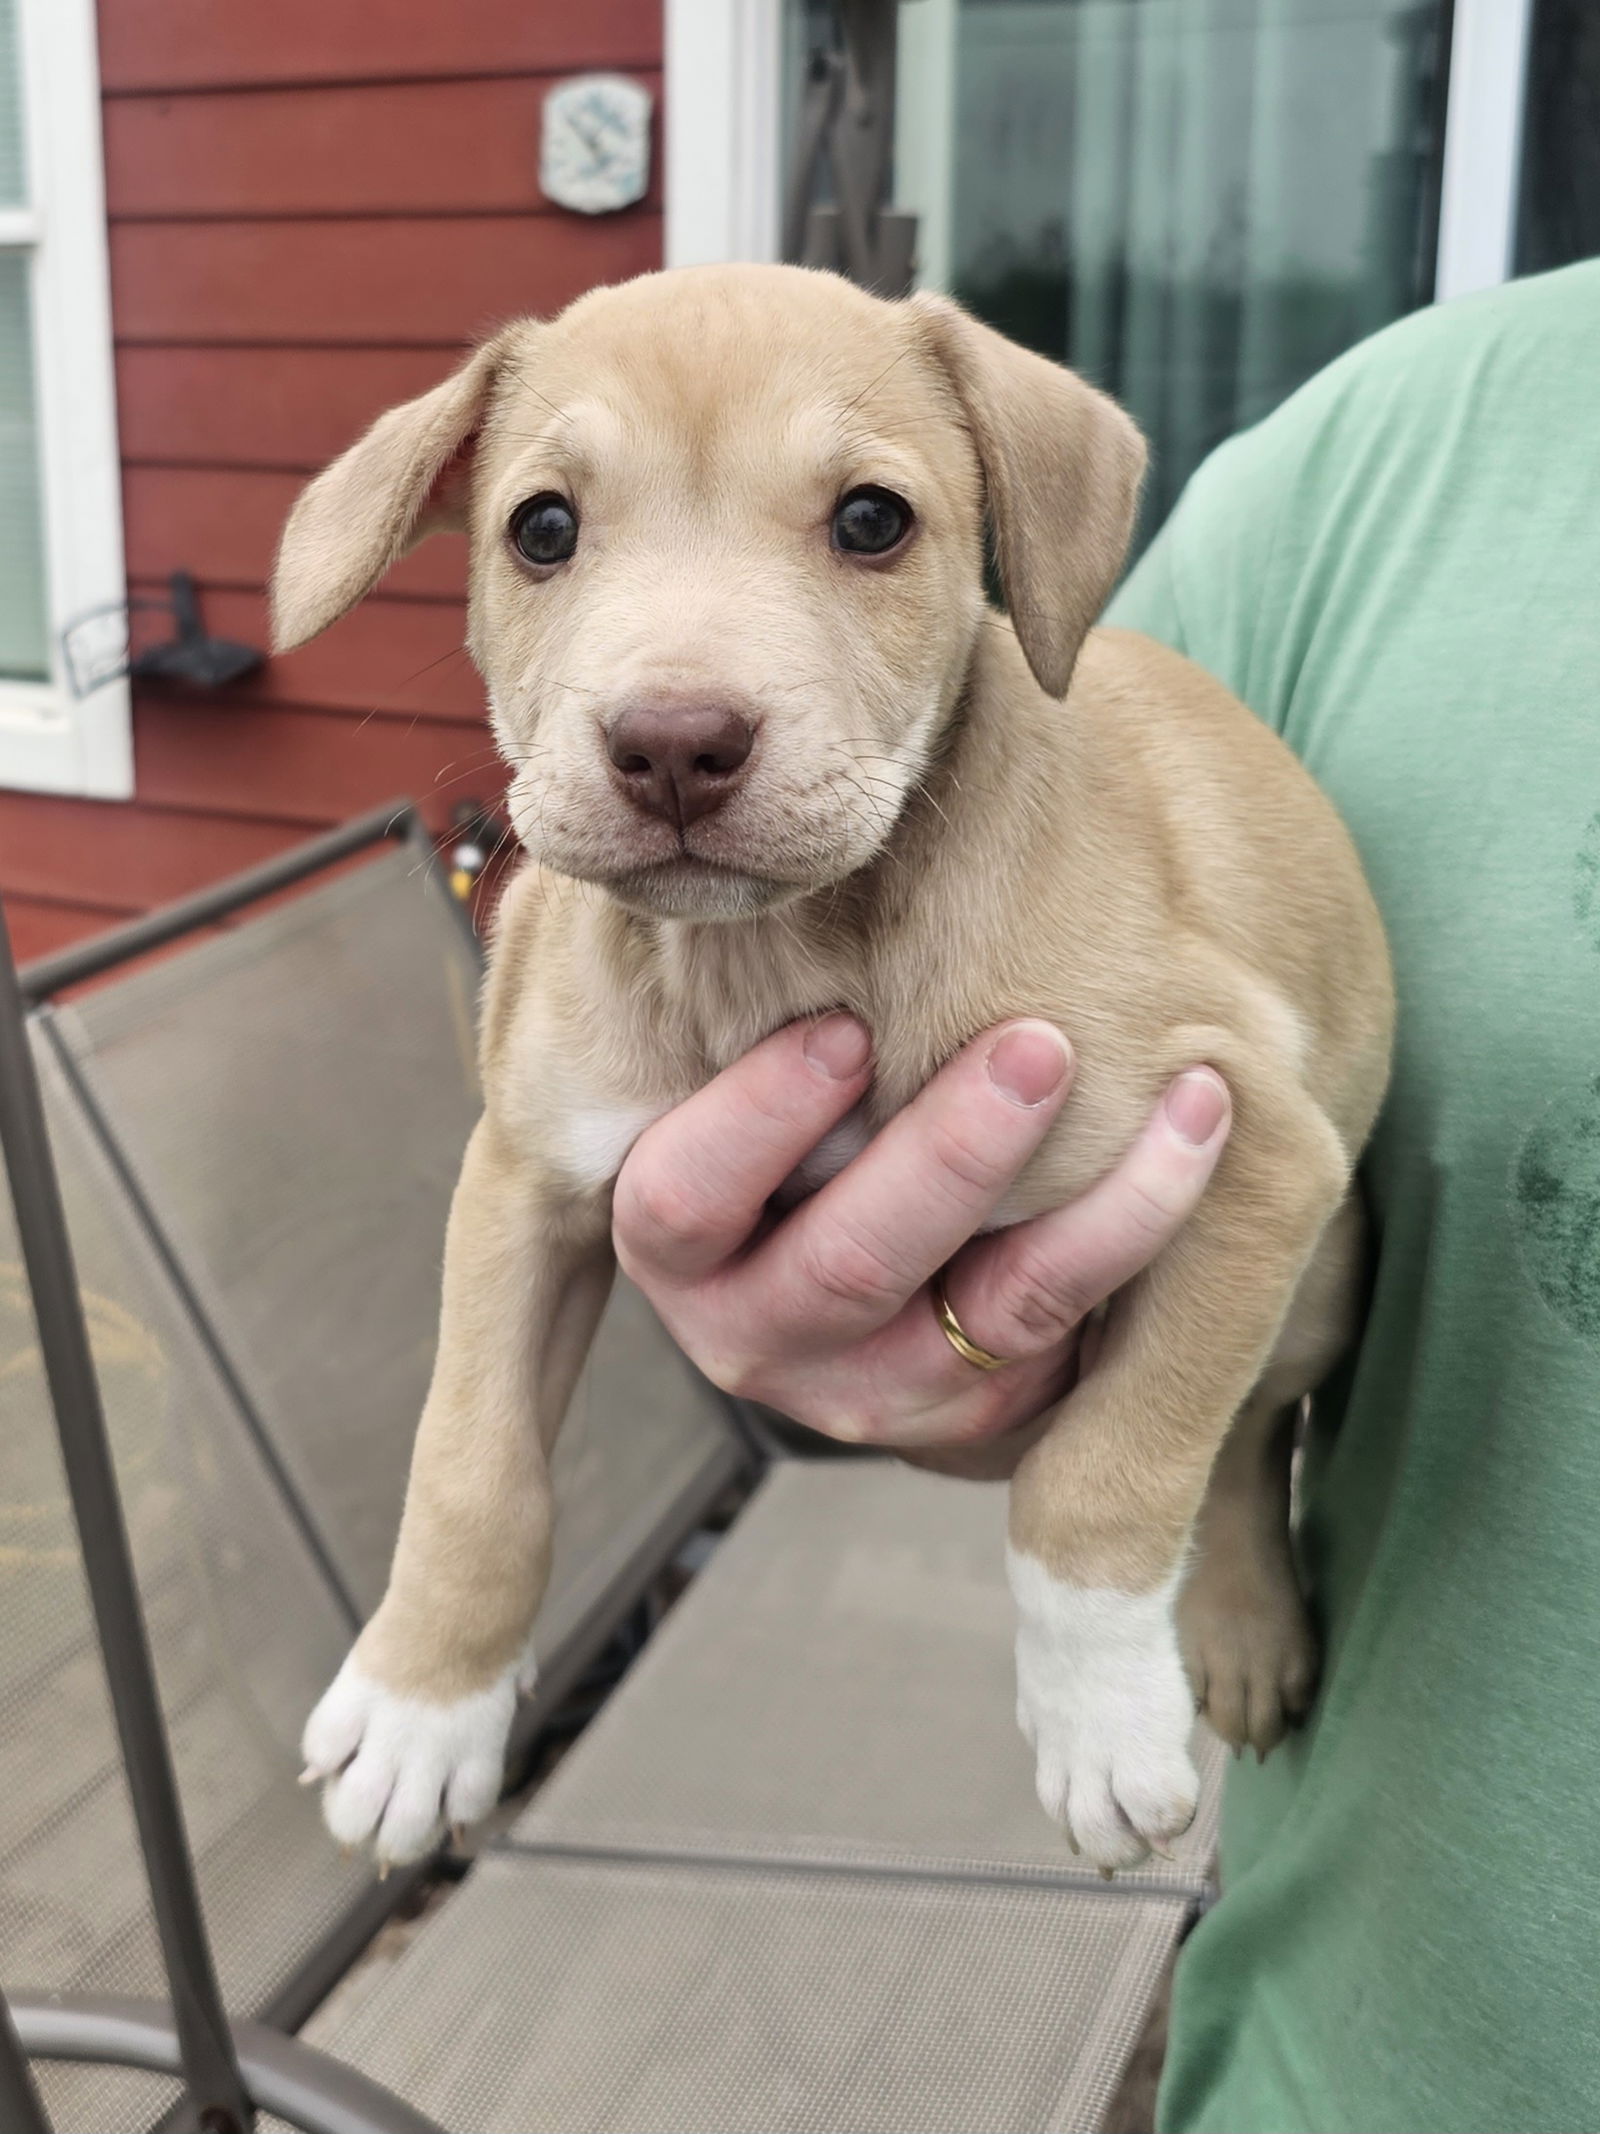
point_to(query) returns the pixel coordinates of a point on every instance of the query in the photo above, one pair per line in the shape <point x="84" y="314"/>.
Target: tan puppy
<point x="774" y="755"/>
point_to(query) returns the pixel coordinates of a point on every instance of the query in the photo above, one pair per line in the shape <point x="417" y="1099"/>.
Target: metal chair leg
<point x="20" y="2109"/>
<point x="209" y="2065"/>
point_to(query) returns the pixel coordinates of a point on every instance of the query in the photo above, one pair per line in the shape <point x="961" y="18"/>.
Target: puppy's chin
<point x="698" y="890"/>
<point x="645" y="874"/>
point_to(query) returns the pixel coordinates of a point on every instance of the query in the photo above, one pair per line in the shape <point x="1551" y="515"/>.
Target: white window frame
<point x="723" y="85"/>
<point x="50" y="740"/>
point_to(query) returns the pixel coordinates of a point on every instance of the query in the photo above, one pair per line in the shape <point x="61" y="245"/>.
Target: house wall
<point x="313" y="205"/>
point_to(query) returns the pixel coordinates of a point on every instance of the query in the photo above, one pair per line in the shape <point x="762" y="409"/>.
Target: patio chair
<point x="255" y="1139"/>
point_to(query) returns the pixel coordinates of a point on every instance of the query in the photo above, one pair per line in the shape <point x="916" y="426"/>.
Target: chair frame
<point x="228" y="2068"/>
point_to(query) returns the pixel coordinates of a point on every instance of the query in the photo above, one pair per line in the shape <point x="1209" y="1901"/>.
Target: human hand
<point x="825" y="1313"/>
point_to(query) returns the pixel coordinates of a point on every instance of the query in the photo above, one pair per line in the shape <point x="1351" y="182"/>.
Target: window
<point x="60" y="501"/>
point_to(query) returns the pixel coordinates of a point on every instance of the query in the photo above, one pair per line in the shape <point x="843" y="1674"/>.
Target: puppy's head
<point x="726" y="532"/>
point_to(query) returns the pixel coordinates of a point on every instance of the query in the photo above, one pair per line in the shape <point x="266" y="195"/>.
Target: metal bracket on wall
<point x="97" y="650"/>
<point x="847" y="118"/>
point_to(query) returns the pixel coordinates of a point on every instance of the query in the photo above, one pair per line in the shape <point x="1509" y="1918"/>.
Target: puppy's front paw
<point x="399" y="1769"/>
<point x="1103" y="1702"/>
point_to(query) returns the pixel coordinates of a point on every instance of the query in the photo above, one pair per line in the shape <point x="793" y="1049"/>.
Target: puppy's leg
<point x="1242" y="1623"/>
<point x="412" y="1733"/>
<point x="1102" y="1507"/>
<point x="1242" y="1627"/>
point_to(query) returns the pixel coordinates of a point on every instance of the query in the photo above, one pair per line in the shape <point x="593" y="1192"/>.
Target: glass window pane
<point x="13" y="175"/>
<point x="1559" y="217"/>
<point x="24" y="629"/>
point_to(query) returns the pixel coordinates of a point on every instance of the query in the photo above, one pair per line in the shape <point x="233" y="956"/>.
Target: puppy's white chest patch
<point x="593" y="1141"/>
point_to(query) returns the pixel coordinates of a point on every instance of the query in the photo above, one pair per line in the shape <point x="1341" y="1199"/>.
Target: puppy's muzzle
<point x="679" y="762"/>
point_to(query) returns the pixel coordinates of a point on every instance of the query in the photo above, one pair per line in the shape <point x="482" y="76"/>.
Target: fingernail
<point x="838" y="1046"/>
<point x="1029" y="1063"/>
<point x="1196" y="1105"/>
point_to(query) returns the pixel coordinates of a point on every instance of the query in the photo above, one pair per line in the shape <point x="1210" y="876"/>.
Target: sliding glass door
<point x="1198" y="203"/>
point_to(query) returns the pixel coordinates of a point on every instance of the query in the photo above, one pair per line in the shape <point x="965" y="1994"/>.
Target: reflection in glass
<point x="13" y="174"/>
<point x="24" y="637"/>
<point x="1197" y="202"/>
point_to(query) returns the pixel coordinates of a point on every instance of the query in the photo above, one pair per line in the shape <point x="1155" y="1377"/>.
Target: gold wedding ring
<point x="958" y="1337"/>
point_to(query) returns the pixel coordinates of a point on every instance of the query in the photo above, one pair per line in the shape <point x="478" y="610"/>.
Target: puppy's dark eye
<point x="870" y="521"/>
<point x="545" y="529"/>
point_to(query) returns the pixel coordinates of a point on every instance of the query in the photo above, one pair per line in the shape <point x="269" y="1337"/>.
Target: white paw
<point x="1103" y="1701"/>
<point x="398" y="1770"/>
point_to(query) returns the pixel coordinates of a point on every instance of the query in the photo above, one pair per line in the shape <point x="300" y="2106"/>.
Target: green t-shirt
<point x="1400" y="570"/>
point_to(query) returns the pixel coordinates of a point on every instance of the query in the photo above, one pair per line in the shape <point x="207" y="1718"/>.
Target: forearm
<point x="526" y="1279"/>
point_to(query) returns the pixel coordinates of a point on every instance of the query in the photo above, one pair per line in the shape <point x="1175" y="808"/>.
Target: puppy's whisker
<point x="554" y="681"/>
<point x="543" y="398"/>
<point x="455" y="652"/>
<point x="871" y="387"/>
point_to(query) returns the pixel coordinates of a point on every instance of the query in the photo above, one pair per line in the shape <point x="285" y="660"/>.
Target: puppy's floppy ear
<point x="407" y="478"/>
<point x="1062" y="465"/>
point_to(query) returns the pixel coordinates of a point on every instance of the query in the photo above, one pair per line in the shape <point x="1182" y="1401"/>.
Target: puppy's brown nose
<point x="679" y="761"/>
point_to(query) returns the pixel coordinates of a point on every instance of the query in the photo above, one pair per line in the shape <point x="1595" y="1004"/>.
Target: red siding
<point x="386" y="660"/>
<point x="193" y="44"/>
<point x="231" y="518"/>
<point x="39" y="928"/>
<point x="301" y="766"/>
<point x="313" y="208"/>
<point x="259" y="407"/>
<point x="387" y="148"/>
<point x="433" y="282"/>
<point x="124" y="859"/>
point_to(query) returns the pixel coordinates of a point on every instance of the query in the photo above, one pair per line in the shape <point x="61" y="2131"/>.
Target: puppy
<point x="774" y="754"/>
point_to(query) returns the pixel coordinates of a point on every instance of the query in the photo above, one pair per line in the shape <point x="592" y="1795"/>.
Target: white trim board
<point x="1482" y="145"/>
<point x="723" y="90"/>
<point x="49" y="741"/>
